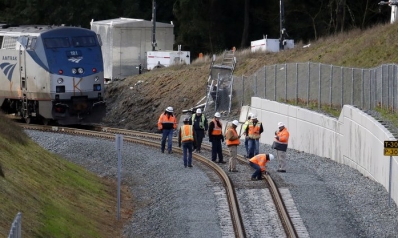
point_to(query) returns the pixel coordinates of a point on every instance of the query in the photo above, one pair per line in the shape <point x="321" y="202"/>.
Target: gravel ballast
<point x="333" y="200"/>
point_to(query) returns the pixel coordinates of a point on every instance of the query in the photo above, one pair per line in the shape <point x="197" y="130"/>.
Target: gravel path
<point x="332" y="199"/>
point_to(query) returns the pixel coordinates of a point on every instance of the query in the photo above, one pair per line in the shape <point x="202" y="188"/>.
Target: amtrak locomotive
<point x="52" y="74"/>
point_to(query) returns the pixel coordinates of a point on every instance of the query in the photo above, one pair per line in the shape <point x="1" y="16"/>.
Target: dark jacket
<point x="212" y="137"/>
<point x="195" y="122"/>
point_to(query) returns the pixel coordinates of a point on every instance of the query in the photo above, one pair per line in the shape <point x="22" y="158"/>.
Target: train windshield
<point x="52" y="43"/>
<point x="84" y="41"/>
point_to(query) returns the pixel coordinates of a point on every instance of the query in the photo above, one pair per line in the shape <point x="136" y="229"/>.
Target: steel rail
<point x="140" y="138"/>
<point x="276" y="196"/>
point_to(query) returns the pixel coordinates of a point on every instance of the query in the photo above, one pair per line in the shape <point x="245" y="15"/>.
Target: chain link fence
<point x="320" y="85"/>
<point x="16" y="227"/>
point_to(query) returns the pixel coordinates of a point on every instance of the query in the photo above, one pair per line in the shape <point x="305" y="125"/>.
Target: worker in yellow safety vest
<point x="246" y="136"/>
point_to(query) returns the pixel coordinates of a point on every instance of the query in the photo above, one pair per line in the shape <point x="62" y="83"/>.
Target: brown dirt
<point x="136" y="102"/>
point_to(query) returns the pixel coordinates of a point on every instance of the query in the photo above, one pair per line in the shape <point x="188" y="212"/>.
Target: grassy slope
<point x="135" y="106"/>
<point x="56" y="198"/>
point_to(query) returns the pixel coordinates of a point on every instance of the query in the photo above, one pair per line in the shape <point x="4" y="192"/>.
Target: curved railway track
<point x="151" y="139"/>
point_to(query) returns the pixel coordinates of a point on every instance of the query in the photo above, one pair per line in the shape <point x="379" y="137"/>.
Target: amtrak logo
<point x="8" y="69"/>
<point x="75" y="59"/>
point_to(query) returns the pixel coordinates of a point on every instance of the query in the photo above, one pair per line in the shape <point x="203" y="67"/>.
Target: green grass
<point x="388" y="115"/>
<point x="57" y="198"/>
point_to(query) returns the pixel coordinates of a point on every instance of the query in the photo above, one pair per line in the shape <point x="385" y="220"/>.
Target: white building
<point x="126" y="41"/>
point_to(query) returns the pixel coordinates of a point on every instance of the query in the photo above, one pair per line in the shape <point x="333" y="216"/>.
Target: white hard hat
<point x="235" y="122"/>
<point x="250" y="114"/>
<point x="169" y="109"/>
<point x="254" y="116"/>
<point x="280" y="124"/>
<point x="198" y="110"/>
<point x="271" y="156"/>
<point x="217" y="114"/>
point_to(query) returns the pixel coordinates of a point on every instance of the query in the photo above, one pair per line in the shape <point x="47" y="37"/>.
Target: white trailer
<point x="125" y="42"/>
<point x="167" y="58"/>
<point x="270" y="45"/>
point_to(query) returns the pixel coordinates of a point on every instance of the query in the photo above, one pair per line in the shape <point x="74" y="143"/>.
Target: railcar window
<point x="1" y="41"/>
<point x="57" y="42"/>
<point x="9" y="42"/>
<point x="83" y="41"/>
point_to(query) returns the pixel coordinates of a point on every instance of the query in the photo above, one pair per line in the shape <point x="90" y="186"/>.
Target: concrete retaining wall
<point x="355" y="139"/>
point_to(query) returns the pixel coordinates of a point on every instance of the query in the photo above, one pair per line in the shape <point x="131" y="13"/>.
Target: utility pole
<point x="394" y="8"/>
<point x="282" y="25"/>
<point x="154" y="44"/>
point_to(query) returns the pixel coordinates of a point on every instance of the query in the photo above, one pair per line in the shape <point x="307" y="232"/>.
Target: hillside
<point x="136" y="102"/>
<point x="57" y="198"/>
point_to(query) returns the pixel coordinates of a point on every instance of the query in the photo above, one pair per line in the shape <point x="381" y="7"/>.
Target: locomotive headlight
<point x="80" y="70"/>
<point x="96" y="78"/>
<point x="74" y="71"/>
<point x="60" y="80"/>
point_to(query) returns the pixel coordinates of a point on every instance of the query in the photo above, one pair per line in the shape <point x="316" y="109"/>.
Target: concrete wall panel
<point x="355" y="138"/>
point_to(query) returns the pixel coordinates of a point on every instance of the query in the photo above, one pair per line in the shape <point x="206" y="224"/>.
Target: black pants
<point x="216" y="149"/>
<point x="200" y="134"/>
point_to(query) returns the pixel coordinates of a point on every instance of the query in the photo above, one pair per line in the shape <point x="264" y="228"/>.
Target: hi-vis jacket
<point x="260" y="160"/>
<point x="198" y="122"/>
<point x="232" y="137"/>
<point x="254" y="130"/>
<point x="283" y="136"/>
<point x="186" y="135"/>
<point x="215" y="130"/>
<point x="167" y="121"/>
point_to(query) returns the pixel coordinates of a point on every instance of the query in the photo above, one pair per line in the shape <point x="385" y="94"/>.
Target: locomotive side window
<point x="31" y="43"/>
<point x="62" y="42"/>
<point x="83" y="41"/>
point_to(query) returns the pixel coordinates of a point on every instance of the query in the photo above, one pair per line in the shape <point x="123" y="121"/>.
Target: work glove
<point x="277" y="137"/>
<point x="160" y="131"/>
<point x="276" y="132"/>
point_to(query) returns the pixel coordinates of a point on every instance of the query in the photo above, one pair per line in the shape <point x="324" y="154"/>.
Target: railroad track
<point x="151" y="139"/>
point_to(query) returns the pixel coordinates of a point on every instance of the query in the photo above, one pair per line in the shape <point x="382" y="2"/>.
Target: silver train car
<point x="52" y="74"/>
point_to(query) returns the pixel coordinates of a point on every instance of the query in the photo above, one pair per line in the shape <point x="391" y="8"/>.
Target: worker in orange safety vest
<point x="259" y="162"/>
<point x="233" y="140"/>
<point x="167" y="123"/>
<point x="216" y="137"/>
<point x="187" y="138"/>
<point x="253" y="131"/>
<point x="280" y="145"/>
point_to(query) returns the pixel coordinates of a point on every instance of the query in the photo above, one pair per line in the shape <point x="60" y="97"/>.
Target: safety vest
<point x="283" y="136"/>
<point x="216" y="130"/>
<point x="186" y="133"/>
<point x="260" y="160"/>
<point x="201" y="121"/>
<point x="233" y="142"/>
<point x="246" y="124"/>
<point x="254" y="131"/>
<point x="164" y="119"/>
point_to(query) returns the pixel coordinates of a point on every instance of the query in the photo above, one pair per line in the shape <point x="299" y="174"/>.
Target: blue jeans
<point x="257" y="173"/>
<point x="247" y="146"/>
<point x="167" y="134"/>
<point x="254" y="145"/>
<point x="187" y="153"/>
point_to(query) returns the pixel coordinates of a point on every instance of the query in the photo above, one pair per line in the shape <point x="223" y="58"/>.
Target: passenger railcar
<point x="52" y="74"/>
